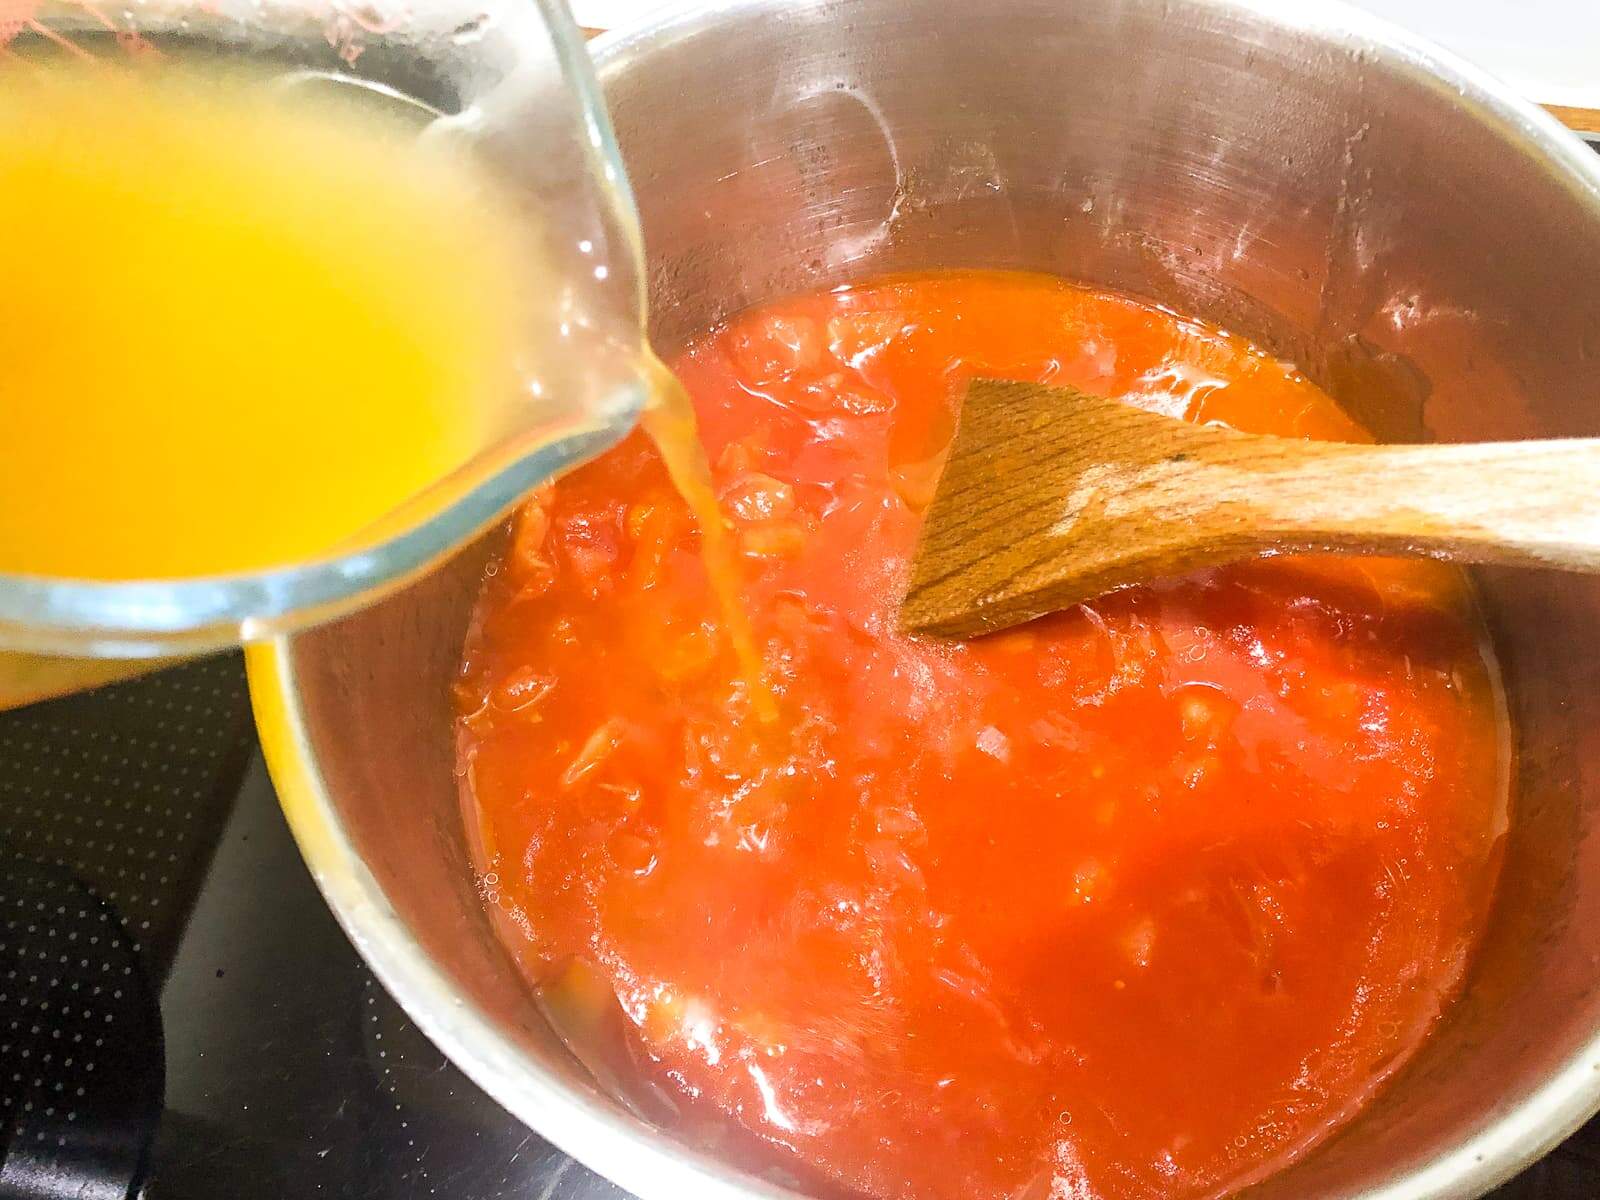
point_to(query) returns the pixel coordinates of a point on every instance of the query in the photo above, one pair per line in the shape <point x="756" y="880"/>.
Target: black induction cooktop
<point x="181" y="1018"/>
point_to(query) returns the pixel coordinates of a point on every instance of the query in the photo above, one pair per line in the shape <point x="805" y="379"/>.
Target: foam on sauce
<point x="1139" y="900"/>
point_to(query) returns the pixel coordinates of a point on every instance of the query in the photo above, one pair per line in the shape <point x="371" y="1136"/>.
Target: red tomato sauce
<point x="1139" y="900"/>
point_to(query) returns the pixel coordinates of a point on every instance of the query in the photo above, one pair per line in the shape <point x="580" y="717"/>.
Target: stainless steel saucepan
<point x="1421" y="243"/>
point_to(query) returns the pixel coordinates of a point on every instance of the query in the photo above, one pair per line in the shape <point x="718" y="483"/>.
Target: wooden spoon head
<point x="1025" y="518"/>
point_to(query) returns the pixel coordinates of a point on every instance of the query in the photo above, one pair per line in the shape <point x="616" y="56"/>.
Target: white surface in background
<point x="1549" y="50"/>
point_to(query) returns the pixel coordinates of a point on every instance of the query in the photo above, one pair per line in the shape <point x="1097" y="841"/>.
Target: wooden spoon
<point x="1051" y="496"/>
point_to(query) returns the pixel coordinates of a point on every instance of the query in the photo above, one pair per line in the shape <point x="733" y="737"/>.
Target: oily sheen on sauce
<point x="1139" y="900"/>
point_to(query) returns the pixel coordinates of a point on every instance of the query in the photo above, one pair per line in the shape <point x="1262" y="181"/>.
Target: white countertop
<point x="1549" y="50"/>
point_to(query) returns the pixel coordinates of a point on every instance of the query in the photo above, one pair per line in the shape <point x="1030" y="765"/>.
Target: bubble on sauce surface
<point x="1176" y="388"/>
<point x="771" y="348"/>
<point x="856" y="338"/>
<point x="840" y="393"/>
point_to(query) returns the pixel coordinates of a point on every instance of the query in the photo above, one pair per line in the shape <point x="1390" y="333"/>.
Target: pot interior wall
<point x="1311" y="190"/>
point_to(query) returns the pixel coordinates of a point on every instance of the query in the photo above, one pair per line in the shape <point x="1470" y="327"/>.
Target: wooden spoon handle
<point x="1527" y="503"/>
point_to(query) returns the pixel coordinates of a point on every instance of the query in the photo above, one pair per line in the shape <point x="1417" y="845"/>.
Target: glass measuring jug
<point x="509" y="82"/>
